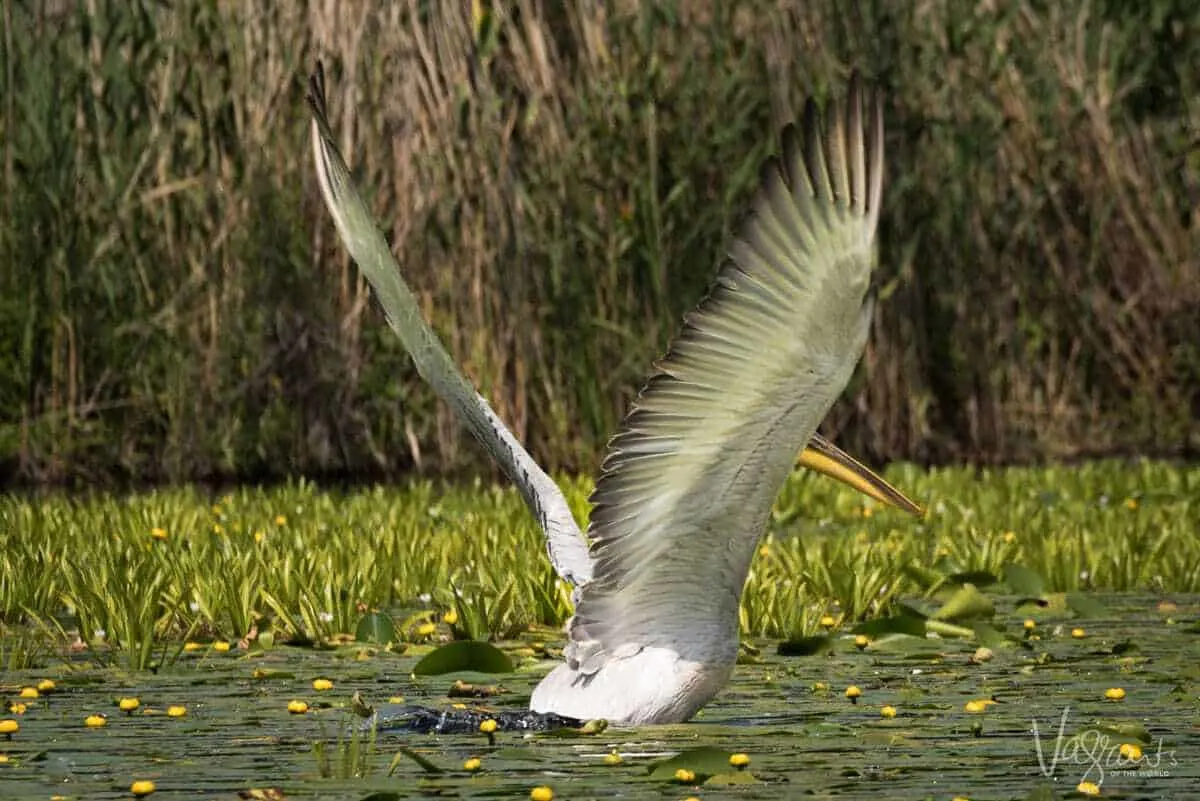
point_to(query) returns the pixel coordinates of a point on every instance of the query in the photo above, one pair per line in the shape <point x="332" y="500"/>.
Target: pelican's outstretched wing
<point x="366" y="244"/>
<point x="689" y="480"/>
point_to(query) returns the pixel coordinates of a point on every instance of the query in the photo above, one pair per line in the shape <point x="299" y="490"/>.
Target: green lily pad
<point x="1083" y="606"/>
<point x="732" y="777"/>
<point x="375" y="627"/>
<point x="704" y="761"/>
<point x="896" y="624"/>
<point x="966" y="603"/>
<point x="464" y="655"/>
<point x="805" y="646"/>
<point x="1023" y="581"/>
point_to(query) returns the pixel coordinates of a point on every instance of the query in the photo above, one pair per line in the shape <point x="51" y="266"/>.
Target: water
<point x="803" y="742"/>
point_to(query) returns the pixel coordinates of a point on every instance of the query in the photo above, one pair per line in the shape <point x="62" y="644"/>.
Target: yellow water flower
<point x="158" y="533"/>
<point x="888" y="711"/>
<point x="853" y="693"/>
<point x="29" y="692"/>
<point x="280" y="520"/>
<point x="473" y="764"/>
<point x="128" y="704"/>
<point x="142" y="788"/>
<point x="1131" y="504"/>
<point x="259" y="536"/>
<point x="297" y="707"/>
<point x="1131" y="751"/>
<point x="1010" y="537"/>
<point x="451" y="617"/>
<point x="95" y="721"/>
<point x="9" y="727"/>
<point x="1078" y="633"/>
<point x="17" y="708"/>
<point x="684" y="775"/>
<point x="739" y="760"/>
<point x="396" y="699"/>
<point x="426" y="629"/>
<point x="1030" y="624"/>
<point x="612" y="758"/>
<point x="1114" y="693"/>
<point x="542" y="793"/>
<point x="1088" y="788"/>
<point x="46" y="686"/>
<point x="867" y="511"/>
<point x="975" y="707"/>
<point x="176" y="711"/>
<point x="488" y="726"/>
<point x="218" y="528"/>
<point x="321" y="685"/>
<point x="221" y="646"/>
<point x="827" y="621"/>
<point x="3" y="758"/>
<point x="861" y="641"/>
<point x="458" y="706"/>
<point x="192" y="646"/>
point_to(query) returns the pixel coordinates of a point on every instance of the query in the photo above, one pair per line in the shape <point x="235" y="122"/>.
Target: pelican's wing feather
<point x="564" y="542"/>
<point x="688" y="482"/>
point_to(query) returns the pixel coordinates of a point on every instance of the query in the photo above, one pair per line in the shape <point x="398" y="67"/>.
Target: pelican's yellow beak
<point x="828" y="459"/>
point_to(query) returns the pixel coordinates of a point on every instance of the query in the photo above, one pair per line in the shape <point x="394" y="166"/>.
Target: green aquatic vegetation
<point x="128" y="578"/>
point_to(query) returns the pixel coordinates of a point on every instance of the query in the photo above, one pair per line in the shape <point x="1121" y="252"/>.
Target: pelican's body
<point x="688" y="483"/>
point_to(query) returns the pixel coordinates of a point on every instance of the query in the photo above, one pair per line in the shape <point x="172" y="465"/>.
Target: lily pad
<point x="912" y="625"/>
<point x="464" y="655"/>
<point x="1023" y="581"/>
<point x="805" y="646"/>
<point x="375" y="627"/>
<point x="967" y="603"/>
<point x="704" y="761"/>
<point x="1083" y="606"/>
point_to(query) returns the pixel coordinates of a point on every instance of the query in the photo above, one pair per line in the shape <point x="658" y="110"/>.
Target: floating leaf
<point x="966" y="603"/>
<point x="1083" y="606"/>
<point x="704" y="761"/>
<point x="464" y="655"/>
<point x="805" y="646"/>
<point x="1043" y="792"/>
<point x="1023" y="581"/>
<point x="988" y="635"/>
<point x="375" y="627"/>
<point x="980" y="578"/>
<point x="1123" y="729"/>
<point x="731" y="777"/>
<point x="911" y="625"/>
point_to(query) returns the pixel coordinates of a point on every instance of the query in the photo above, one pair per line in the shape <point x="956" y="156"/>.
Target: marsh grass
<point x="131" y="577"/>
<point x="556" y="180"/>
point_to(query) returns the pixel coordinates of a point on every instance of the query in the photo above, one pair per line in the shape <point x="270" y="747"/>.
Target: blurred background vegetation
<point x="557" y="180"/>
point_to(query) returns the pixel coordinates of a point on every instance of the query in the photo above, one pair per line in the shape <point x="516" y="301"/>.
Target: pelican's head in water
<point x="687" y="486"/>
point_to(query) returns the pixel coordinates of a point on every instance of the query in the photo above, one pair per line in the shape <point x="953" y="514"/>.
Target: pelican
<point x="686" y="487"/>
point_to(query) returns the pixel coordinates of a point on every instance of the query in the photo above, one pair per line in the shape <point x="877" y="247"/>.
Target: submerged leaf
<point x="464" y="655"/>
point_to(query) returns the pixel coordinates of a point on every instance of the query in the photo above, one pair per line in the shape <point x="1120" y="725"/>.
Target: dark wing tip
<point x="316" y="91"/>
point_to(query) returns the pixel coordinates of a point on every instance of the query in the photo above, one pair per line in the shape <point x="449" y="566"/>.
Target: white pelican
<point x="686" y="487"/>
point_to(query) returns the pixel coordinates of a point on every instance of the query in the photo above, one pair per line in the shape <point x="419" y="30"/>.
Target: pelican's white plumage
<point x="688" y="483"/>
